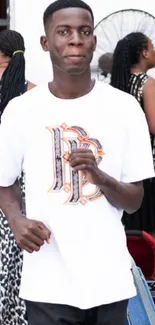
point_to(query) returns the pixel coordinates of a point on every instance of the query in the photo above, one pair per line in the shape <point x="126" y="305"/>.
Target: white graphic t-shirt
<point x="86" y="263"/>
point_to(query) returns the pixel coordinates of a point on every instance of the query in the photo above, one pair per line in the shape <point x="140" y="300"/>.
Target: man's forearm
<point x="121" y="195"/>
<point x="10" y="202"/>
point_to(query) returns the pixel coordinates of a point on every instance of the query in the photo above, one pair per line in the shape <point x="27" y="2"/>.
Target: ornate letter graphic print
<point x="65" y="139"/>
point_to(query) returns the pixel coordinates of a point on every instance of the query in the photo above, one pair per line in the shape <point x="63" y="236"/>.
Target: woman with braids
<point x="12" y="84"/>
<point x="133" y="57"/>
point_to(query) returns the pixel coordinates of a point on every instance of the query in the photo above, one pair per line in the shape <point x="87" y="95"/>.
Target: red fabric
<point x="142" y="249"/>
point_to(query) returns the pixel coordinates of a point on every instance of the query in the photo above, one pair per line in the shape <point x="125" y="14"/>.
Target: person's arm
<point x="10" y="202"/>
<point x="121" y="195"/>
<point x="11" y="157"/>
<point x="29" y="234"/>
<point x="136" y="161"/>
<point x="149" y="103"/>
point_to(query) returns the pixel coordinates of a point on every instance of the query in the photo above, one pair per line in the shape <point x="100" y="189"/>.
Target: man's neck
<point x="70" y="87"/>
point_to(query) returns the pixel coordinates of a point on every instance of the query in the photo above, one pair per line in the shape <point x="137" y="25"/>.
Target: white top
<point x="86" y="263"/>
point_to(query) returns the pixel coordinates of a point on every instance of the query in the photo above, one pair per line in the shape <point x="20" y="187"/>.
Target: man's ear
<point x="44" y="43"/>
<point x="95" y="42"/>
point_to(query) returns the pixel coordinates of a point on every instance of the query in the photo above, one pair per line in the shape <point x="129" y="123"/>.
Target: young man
<point x="78" y="144"/>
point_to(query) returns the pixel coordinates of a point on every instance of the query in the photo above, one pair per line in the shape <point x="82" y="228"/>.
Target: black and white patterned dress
<point x="144" y="218"/>
<point x="12" y="308"/>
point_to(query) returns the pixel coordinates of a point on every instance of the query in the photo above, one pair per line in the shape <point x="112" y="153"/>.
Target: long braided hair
<point x="127" y="53"/>
<point x="13" y="79"/>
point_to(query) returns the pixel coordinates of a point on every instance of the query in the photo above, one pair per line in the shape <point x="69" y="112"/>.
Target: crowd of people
<point x="76" y="167"/>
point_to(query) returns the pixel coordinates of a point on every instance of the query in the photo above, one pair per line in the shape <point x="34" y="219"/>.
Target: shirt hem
<point x="77" y="305"/>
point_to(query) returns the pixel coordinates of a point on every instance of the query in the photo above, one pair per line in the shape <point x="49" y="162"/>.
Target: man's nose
<point x="76" y="39"/>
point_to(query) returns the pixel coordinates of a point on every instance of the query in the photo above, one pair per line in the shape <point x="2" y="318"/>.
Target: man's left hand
<point x="84" y="160"/>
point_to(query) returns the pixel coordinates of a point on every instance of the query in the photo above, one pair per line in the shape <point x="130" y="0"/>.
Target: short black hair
<point x="63" y="4"/>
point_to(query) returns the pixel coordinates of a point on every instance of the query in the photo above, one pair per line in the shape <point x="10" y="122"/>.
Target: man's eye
<point x="86" y="32"/>
<point x="63" y="32"/>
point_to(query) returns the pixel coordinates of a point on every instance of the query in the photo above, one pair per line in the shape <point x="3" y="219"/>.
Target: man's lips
<point x="75" y="57"/>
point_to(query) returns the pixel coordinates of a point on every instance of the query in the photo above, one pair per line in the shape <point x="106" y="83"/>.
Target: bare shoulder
<point x="30" y="85"/>
<point x="149" y="86"/>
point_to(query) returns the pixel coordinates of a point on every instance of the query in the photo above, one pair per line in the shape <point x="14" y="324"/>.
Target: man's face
<point x="70" y="40"/>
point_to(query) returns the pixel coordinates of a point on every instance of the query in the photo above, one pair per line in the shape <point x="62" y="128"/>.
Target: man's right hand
<point x="29" y="234"/>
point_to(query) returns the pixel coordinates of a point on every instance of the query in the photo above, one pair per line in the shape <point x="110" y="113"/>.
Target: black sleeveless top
<point x="144" y="218"/>
<point x="136" y="84"/>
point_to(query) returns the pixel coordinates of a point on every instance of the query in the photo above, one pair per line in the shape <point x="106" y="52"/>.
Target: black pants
<point x="52" y="314"/>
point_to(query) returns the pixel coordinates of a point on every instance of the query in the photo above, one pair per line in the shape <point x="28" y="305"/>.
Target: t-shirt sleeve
<point x="137" y="159"/>
<point x="11" y="155"/>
